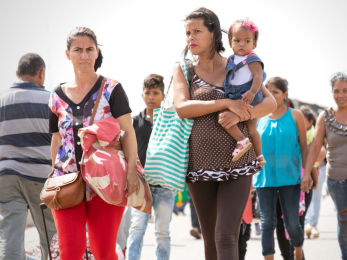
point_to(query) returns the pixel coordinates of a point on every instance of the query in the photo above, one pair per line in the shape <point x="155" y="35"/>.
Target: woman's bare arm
<point x="187" y="108"/>
<point x="267" y="106"/>
<point x="315" y="147"/>
<point x="300" y="124"/>
<point x="129" y="145"/>
<point x="55" y="144"/>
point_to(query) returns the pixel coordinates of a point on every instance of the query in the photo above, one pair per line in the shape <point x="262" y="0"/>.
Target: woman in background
<point x="332" y="125"/>
<point x="283" y="136"/>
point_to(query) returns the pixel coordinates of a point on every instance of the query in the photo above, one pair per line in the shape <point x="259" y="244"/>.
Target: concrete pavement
<point x="185" y="247"/>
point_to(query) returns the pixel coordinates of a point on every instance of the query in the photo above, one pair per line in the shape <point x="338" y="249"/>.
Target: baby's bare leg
<point x="252" y="129"/>
<point x="234" y="131"/>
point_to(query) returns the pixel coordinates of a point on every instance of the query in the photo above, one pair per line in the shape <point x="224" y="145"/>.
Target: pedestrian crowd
<point x="222" y="136"/>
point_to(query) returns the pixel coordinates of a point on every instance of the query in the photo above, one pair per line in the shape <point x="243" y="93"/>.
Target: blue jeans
<point x="338" y="192"/>
<point x="312" y="214"/>
<point x="289" y="198"/>
<point x="123" y="231"/>
<point x="163" y="203"/>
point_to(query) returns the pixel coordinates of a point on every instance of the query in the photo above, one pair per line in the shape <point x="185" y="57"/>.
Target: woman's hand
<point x="240" y="108"/>
<point x="306" y="183"/>
<point x="128" y="141"/>
<point x="132" y="183"/>
<point x="227" y="119"/>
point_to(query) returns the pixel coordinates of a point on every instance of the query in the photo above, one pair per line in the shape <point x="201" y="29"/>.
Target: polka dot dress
<point x="211" y="147"/>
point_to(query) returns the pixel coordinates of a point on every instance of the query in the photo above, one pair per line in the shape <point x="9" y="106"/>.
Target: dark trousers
<point x="194" y="215"/>
<point x="245" y="235"/>
<point x="220" y="207"/>
<point x="287" y="250"/>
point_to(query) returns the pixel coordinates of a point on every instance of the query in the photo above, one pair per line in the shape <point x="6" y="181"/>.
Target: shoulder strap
<point x="91" y="121"/>
<point x="185" y="73"/>
<point x="247" y="61"/>
<point x="255" y="58"/>
<point x="231" y="59"/>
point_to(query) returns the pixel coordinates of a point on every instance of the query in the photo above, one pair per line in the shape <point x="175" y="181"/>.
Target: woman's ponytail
<point x="98" y="61"/>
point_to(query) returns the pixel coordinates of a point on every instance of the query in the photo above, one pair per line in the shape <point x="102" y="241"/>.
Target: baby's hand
<point x="248" y="97"/>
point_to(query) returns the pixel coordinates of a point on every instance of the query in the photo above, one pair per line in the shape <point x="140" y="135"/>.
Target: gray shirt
<point x="336" y="135"/>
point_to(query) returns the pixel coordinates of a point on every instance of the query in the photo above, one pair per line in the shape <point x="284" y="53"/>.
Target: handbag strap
<point x="188" y="70"/>
<point x="91" y="121"/>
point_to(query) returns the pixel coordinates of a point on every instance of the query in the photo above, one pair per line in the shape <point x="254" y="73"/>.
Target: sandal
<point x="237" y="153"/>
<point x="261" y="160"/>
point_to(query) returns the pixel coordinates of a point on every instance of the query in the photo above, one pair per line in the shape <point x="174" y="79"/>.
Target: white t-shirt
<point x="243" y="75"/>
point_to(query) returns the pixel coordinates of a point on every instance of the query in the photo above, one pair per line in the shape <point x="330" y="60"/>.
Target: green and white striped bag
<point x="168" y="148"/>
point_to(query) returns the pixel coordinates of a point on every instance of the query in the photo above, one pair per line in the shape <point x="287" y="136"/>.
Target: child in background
<point x="244" y="80"/>
<point x="310" y="122"/>
<point x="163" y="199"/>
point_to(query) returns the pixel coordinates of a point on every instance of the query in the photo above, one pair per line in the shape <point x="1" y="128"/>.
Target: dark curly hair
<point x="239" y="24"/>
<point x="211" y="22"/>
<point x="84" y="31"/>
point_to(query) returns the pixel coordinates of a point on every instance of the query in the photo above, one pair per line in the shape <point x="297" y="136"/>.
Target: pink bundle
<point x="104" y="166"/>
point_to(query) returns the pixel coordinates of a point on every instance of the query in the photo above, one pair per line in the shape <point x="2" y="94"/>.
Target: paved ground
<point x="185" y="247"/>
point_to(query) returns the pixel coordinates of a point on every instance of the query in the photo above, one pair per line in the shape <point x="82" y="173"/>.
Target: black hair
<point x="240" y="24"/>
<point x="290" y="103"/>
<point x="30" y="64"/>
<point x="84" y="31"/>
<point x="211" y="22"/>
<point x="154" y="81"/>
<point x="280" y="83"/>
<point x="309" y="114"/>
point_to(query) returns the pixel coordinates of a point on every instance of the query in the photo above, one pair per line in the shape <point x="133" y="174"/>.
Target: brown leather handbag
<point x="68" y="190"/>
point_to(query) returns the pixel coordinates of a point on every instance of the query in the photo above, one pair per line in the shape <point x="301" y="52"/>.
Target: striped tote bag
<point x="168" y="148"/>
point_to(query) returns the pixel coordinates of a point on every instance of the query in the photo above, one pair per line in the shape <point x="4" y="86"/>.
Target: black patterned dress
<point x="211" y="147"/>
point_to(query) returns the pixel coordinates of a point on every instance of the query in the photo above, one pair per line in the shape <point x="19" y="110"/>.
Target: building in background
<point x="314" y="107"/>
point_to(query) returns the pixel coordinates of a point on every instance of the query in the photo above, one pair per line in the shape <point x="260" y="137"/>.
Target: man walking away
<point x="25" y="160"/>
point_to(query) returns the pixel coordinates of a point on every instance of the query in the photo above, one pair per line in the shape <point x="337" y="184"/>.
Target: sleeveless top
<point x="211" y="147"/>
<point x="336" y="135"/>
<point x="281" y="150"/>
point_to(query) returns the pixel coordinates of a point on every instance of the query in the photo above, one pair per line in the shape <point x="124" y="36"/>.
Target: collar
<point x="143" y="114"/>
<point x="27" y="85"/>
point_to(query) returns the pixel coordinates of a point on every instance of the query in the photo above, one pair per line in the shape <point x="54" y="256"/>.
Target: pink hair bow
<point x="249" y="25"/>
